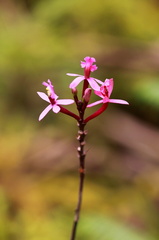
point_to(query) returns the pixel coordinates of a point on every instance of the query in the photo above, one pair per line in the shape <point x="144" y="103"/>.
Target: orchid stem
<point x="97" y="113"/>
<point x="85" y="85"/>
<point x="81" y="154"/>
<point x="67" y="112"/>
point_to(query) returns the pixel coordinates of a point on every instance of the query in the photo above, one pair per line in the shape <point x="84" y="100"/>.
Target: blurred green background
<point x="38" y="162"/>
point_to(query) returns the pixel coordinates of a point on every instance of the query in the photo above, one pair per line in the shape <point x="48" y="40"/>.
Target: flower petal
<point x="119" y="101"/>
<point x="93" y="83"/>
<point x="50" y="89"/>
<point x="64" y="101"/>
<point x="45" y="84"/>
<point x="55" y="108"/>
<point x="73" y="74"/>
<point x="90" y="59"/>
<point x="95" y="103"/>
<point x="93" y="68"/>
<point x="45" y="111"/>
<point x="88" y="64"/>
<point x="83" y="64"/>
<point x="105" y="99"/>
<point x="98" y="81"/>
<point x="98" y="93"/>
<point x="109" y="83"/>
<point x="43" y="96"/>
<point x="76" y="81"/>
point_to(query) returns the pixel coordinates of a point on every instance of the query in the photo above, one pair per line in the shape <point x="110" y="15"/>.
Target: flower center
<point x="104" y="91"/>
<point x="48" y="90"/>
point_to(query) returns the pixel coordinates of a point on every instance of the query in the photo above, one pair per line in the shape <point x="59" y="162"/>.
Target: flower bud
<point x="87" y="94"/>
<point x="74" y="91"/>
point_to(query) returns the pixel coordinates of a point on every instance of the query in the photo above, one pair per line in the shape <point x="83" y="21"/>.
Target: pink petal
<point x="43" y="96"/>
<point x="65" y="101"/>
<point x="109" y="83"/>
<point x="45" y="111"/>
<point x="76" y="81"/>
<point x="73" y="74"/>
<point x="48" y="83"/>
<point x="119" y="101"/>
<point x="45" y="84"/>
<point x="93" y="68"/>
<point x="95" y="103"/>
<point x="93" y="83"/>
<point x="83" y="64"/>
<point x="90" y="59"/>
<point x="106" y="99"/>
<point x="89" y="63"/>
<point x="55" y="96"/>
<point x="98" y="81"/>
<point x="55" y="108"/>
<point x="98" y="93"/>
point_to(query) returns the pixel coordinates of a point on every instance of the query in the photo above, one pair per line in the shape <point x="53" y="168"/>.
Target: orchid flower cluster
<point x="103" y="90"/>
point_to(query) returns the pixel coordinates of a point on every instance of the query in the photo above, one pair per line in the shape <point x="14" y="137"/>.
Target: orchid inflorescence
<point x="102" y="90"/>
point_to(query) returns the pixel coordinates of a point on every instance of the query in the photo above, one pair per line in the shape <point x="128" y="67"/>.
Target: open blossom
<point x="52" y="99"/>
<point x="104" y="92"/>
<point x="88" y="68"/>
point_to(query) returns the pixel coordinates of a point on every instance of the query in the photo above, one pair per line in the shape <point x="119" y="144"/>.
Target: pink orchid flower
<point x="51" y="98"/>
<point x="88" y="68"/>
<point x="104" y="92"/>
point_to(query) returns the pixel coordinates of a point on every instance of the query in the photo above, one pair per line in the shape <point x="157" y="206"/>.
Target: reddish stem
<point x="97" y="113"/>
<point x="67" y="112"/>
<point x="85" y="86"/>
<point x="81" y="155"/>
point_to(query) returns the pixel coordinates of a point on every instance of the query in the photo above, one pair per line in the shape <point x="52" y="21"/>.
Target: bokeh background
<point x="38" y="162"/>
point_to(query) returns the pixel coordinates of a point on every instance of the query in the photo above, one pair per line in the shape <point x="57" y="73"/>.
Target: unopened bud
<point x="87" y="94"/>
<point x="74" y="91"/>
